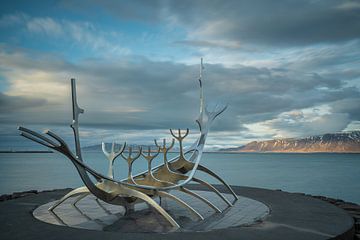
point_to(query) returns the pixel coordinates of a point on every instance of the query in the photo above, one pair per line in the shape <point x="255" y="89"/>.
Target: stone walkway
<point x="92" y="214"/>
<point x="292" y="216"/>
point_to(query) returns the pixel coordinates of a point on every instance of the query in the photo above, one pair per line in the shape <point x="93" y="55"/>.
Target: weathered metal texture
<point x="156" y="181"/>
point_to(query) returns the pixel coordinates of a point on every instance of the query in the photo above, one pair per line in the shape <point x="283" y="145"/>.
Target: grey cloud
<point x="271" y="22"/>
<point x="130" y="10"/>
<point x="284" y="22"/>
<point x="259" y="91"/>
<point x="11" y="58"/>
<point x="350" y="106"/>
<point x="9" y="104"/>
<point x="312" y="44"/>
<point x="325" y="57"/>
<point x="249" y="90"/>
<point x="342" y="113"/>
<point x="136" y="93"/>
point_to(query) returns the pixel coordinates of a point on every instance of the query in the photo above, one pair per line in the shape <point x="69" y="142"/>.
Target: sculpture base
<point x="93" y="214"/>
<point x="292" y="216"/>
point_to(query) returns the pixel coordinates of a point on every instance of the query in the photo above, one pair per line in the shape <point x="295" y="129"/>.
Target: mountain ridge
<point x="344" y="142"/>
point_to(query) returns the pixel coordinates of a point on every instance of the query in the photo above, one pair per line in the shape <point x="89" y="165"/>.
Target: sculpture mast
<point x="76" y="111"/>
<point x="201" y="89"/>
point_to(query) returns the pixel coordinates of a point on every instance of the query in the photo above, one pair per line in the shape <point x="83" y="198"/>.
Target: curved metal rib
<point x="152" y="203"/>
<point x="211" y="187"/>
<point x="36" y="137"/>
<point x="211" y="173"/>
<point x="122" y="191"/>
<point x="187" y="191"/>
<point x="181" y="202"/>
<point x="69" y="195"/>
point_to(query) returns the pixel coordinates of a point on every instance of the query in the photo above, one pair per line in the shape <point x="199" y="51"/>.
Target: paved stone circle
<point x="292" y="216"/>
<point x="93" y="214"/>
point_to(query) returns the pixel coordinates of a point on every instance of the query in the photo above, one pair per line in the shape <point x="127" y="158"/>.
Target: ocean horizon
<point x="335" y="175"/>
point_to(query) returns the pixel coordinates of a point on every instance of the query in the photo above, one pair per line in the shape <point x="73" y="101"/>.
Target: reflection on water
<point x="333" y="175"/>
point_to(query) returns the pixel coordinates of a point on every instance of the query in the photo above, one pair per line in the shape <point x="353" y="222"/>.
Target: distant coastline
<point x="274" y="152"/>
<point x="33" y="151"/>
<point x="344" y="142"/>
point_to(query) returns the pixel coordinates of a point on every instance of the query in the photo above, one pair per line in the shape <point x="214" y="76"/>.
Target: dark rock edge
<point x="352" y="209"/>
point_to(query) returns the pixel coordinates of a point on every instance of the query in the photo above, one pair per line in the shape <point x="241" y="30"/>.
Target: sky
<point x="285" y="68"/>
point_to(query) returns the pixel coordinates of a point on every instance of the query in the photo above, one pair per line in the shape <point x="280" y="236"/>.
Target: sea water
<point x="328" y="174"/>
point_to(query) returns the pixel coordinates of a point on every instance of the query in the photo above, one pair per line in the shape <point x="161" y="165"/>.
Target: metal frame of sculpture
<point x="154" y="182"/>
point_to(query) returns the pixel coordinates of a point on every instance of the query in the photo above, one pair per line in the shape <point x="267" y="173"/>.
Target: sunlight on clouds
<point x="259" y="128"/>
<point x="33" y="83"/>
<point x="353" y="126"/>
<point x="302" y="123"/>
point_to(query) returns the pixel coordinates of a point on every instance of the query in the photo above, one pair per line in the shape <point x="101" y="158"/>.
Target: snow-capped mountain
<point x="330" y="142"/>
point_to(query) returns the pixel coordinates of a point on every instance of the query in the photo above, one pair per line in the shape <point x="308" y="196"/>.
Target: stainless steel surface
<point x="130" y="160"/>
<point x="76" y="110"/>
<point x="198" y="196"/>
<point x="111" y="156"/>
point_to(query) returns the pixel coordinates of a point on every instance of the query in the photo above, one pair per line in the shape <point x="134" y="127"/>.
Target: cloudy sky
<point x="285" y="68"/>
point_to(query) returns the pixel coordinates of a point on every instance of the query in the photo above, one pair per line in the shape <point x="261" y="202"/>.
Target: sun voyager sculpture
<point x="156" y="181"/>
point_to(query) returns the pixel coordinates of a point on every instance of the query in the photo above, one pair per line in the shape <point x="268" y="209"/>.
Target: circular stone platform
<point x="93" y="214"/>
<point x="292" y="216"/>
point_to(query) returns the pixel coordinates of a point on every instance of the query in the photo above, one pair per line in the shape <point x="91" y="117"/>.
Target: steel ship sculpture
<point x="155" y="181"/>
